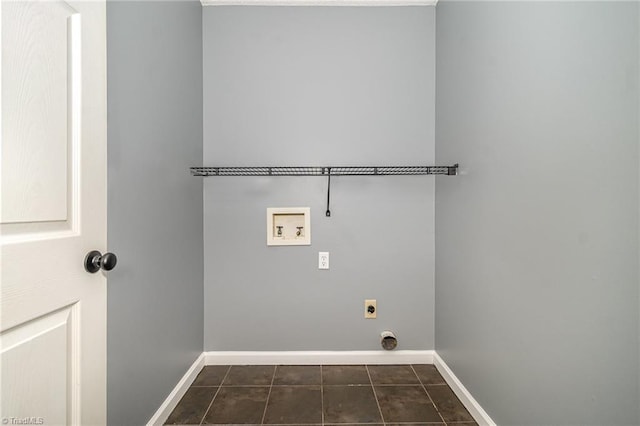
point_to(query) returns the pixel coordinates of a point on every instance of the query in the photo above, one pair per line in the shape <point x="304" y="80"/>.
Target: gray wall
<point x="537" y="241"/>
<point x="155" y="207"/>
<point x="289" y="86"/>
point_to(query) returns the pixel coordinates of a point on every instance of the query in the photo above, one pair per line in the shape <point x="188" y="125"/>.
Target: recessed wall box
<point x="288" y="226"/>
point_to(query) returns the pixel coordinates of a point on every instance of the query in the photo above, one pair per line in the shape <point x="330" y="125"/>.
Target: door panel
<point x="38" y="79"/>
<point x="41" y="104"/>
<point x="53" y="211"/>
<point x="50" y="346"/>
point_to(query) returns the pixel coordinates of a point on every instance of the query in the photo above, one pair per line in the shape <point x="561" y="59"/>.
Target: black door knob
<point x="95" y="260"/>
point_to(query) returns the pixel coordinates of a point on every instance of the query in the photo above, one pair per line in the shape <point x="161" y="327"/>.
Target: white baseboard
<point x="318" y="357"/>
<point x="177" y="393"/>
<point x="462" y="393"/>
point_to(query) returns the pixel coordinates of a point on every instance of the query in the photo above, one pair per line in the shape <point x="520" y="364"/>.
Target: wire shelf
<point x="325" y="171"/>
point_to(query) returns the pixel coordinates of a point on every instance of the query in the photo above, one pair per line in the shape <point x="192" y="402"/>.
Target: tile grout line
<point x="428" y="395"/>
<point x="351" y="385"/>
<point x="290" y="386"/>
<point x="321" y="395"/>
<point x="266" y="403"/>
<point x="375" y="395"/>
<point x="214" y="396"/>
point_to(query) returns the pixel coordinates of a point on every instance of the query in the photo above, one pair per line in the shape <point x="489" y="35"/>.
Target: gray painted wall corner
<point x="155" y="312"/>
<point x="537" y="240"/>
<point x="638" y="133"/>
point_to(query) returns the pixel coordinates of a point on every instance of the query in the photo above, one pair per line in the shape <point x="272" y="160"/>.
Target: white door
<point x="53" y="211"/>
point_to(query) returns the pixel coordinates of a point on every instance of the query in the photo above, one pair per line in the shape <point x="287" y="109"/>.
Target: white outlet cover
<point x="288" y="226"/>
<point x="323" y="260"/>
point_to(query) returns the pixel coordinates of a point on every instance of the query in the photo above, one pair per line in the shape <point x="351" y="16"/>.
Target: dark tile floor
<point x="320" y="395"/>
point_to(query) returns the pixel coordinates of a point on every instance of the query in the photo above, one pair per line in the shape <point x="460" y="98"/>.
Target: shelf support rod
<point x="328" y="212"/>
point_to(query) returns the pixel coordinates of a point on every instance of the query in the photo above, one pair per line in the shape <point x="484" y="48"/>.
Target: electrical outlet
<point x="370" y="308"/>
<point x="323" y="260"/>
